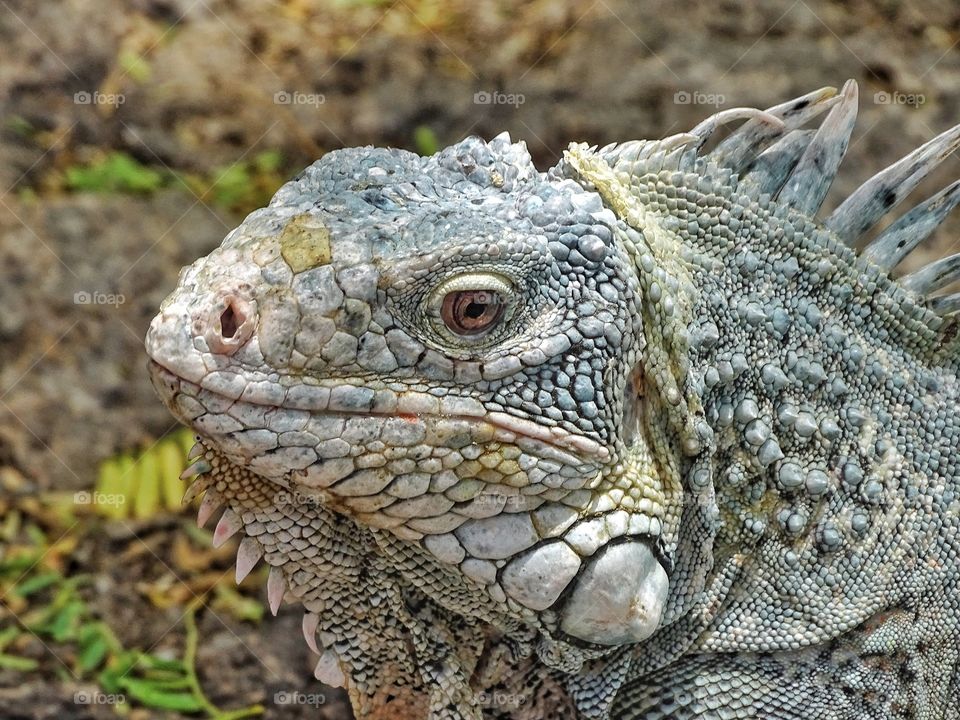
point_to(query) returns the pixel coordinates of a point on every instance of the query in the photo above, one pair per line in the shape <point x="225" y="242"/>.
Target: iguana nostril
<point x="229" y="325"/>
<point x="229" y="322"/>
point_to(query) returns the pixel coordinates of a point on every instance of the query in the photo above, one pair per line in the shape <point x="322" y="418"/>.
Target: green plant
<point x="241" y="186"/>
<point x="142" y="485"/>
<point x="114" y="172"/>
<point x="425" y="140"/>
<point x="42" y="602"/>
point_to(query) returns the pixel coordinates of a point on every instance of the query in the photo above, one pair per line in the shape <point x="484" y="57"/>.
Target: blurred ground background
<point x="134" y="135"/>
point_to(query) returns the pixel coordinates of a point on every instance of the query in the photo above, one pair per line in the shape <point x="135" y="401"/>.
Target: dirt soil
<point x="196" y="86"/>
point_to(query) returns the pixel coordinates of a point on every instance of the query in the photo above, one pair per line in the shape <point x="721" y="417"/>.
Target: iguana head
<point x="448" y="348"/>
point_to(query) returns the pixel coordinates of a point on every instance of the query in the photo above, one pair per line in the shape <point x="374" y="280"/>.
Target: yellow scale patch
<point x="305" y="243"/>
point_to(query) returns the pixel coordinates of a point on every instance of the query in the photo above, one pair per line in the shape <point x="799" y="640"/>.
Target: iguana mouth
<point x="408" y="405"/>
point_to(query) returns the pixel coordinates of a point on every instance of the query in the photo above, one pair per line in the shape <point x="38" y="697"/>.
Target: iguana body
<point x="634" y="438"/>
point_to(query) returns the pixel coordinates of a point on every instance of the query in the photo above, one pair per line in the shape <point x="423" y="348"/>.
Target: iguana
<point x="639" y="436"/>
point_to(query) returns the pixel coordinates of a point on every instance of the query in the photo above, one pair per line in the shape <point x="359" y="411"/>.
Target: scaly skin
<point x="638" y="437"/>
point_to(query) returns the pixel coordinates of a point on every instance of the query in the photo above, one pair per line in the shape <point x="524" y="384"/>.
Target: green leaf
<point x="239" y="606"/>
<point x="146" y="503"/>
<point x="20" y="126"/>
<point x="20" y="664"/>
<point x="119" y="666"/>
<point x="425" y="140"/>
<point x="169" y="684"/>
<point x="152" y="662"/>
<point x="37" y="583"/>
<point x="117" y="172"/>
<point x="37" y="537"/>
<point x="171" y="461"/>
<point x="92" y="654"/>
<point x="63" y="627"/>
<point x="186" y="437"/>
<point x="157" y="697"/>
<point x="10" y="526"/>
<point x="135" y="66"/>
<point x="268" y="161"/>
<point x="231" y="185"/>
<point x="113" y="486"/>
<point x="8" y="635"/>
<point x="20" y="563"/>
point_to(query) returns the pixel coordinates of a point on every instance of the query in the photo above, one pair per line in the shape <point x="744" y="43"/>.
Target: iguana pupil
<point x="470" y="312"/>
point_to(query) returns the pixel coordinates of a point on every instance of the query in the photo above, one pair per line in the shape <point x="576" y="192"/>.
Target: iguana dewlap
<point x="637" y="437"/>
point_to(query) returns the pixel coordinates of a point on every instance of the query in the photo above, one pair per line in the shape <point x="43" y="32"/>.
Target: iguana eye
<point x="471" y="312"/>
<point x="470" y="306"/>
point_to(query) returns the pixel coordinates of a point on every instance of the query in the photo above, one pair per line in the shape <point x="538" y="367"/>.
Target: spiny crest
<point x="499" y="163"/>
<point x="773" y="155"/>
